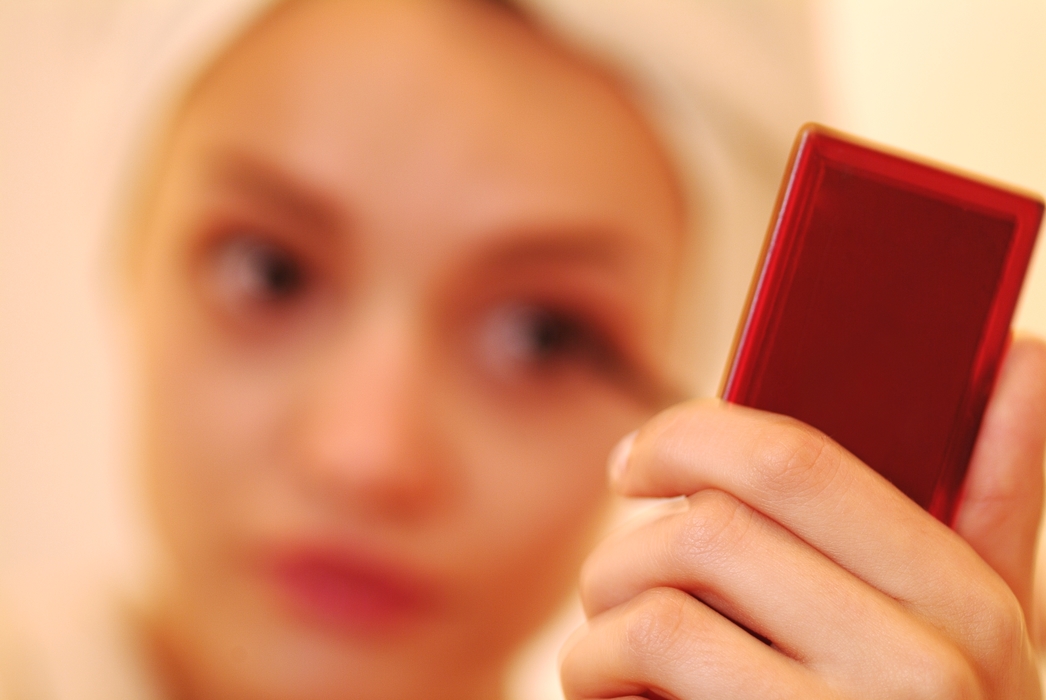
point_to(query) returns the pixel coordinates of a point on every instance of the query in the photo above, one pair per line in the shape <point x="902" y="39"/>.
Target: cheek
<point x="538" y="483"/>
<point x="211" y="430"/>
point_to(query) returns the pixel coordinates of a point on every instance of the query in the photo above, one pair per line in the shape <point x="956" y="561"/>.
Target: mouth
<point x="349" y="591"/>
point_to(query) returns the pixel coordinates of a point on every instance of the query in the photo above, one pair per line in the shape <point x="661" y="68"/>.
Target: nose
<point x="366" y="441"/>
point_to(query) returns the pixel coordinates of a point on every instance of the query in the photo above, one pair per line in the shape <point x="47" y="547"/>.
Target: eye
<point x="523" y="337"/>
<point x="250" y="271"/>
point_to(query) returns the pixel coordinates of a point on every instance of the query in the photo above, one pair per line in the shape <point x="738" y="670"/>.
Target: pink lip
<point x="349" y="590"/>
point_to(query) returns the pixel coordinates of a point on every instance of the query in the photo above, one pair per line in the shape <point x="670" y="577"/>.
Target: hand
<point x="858" y="592"/>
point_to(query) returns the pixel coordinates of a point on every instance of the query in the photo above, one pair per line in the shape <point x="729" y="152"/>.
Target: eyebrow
<point x="275" y="189"/>
<point x="540" y="245"/>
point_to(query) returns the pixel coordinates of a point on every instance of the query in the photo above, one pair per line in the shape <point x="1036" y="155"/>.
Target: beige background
<point x="962" y="81"/>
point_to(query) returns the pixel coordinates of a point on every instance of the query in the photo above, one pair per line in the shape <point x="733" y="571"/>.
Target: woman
<point x="385" y="356"/>
<point x="403" y="276"/>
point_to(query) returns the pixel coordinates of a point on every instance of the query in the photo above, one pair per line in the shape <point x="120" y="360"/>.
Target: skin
<point x="404" y="280"/>
<point x="893" y="605"/>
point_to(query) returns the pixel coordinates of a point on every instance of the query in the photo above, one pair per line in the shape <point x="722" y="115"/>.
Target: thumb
<point x="1002" y="501"/>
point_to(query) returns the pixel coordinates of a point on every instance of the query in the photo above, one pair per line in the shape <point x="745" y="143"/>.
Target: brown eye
<point x="544" y="335"/>
<point x="522" y="337"/>
<point x="252" y="271"/>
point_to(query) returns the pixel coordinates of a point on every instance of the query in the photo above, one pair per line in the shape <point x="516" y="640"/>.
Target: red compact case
<point x="881" y="308"/>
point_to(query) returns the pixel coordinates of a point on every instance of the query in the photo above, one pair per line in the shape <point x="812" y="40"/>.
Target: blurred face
<point x="404" y="282"/>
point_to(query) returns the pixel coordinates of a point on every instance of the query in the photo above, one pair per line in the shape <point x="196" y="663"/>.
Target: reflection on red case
<point x="881" y="308"/>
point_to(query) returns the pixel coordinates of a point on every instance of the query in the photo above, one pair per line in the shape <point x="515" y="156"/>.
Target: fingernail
<point x="618" y="461"/>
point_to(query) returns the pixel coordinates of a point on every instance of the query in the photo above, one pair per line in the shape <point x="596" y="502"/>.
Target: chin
<point x="263" y="651"/>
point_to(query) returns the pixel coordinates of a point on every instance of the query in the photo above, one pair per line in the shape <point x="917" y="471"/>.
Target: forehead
<point x="456" y="107"/>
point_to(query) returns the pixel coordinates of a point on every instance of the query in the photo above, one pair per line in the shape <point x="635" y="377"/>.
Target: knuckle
<point x="997" y="631"/>
<point x="937" y="672"/>
<point x="794" y="460"/>
<point x="715" y="525"/>
<point x="656" y="627"/>
<point x="667" y="435"/>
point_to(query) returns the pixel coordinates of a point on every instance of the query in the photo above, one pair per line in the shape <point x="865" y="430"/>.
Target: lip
<point x="349" y="590"/>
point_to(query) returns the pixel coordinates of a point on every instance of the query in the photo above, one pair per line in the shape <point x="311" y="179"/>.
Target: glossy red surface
<point x="881" y="308"/>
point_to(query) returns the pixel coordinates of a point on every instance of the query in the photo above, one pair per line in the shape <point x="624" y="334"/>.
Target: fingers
<point x="746" y="567"/>
<point x="838" y="506"/>
<point x="759" y="575"/>
<point x="860" y="592"/>
<point x="810" y="485"/>
<point x="1002" y="500"/>
<point x="668" y="644"/>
